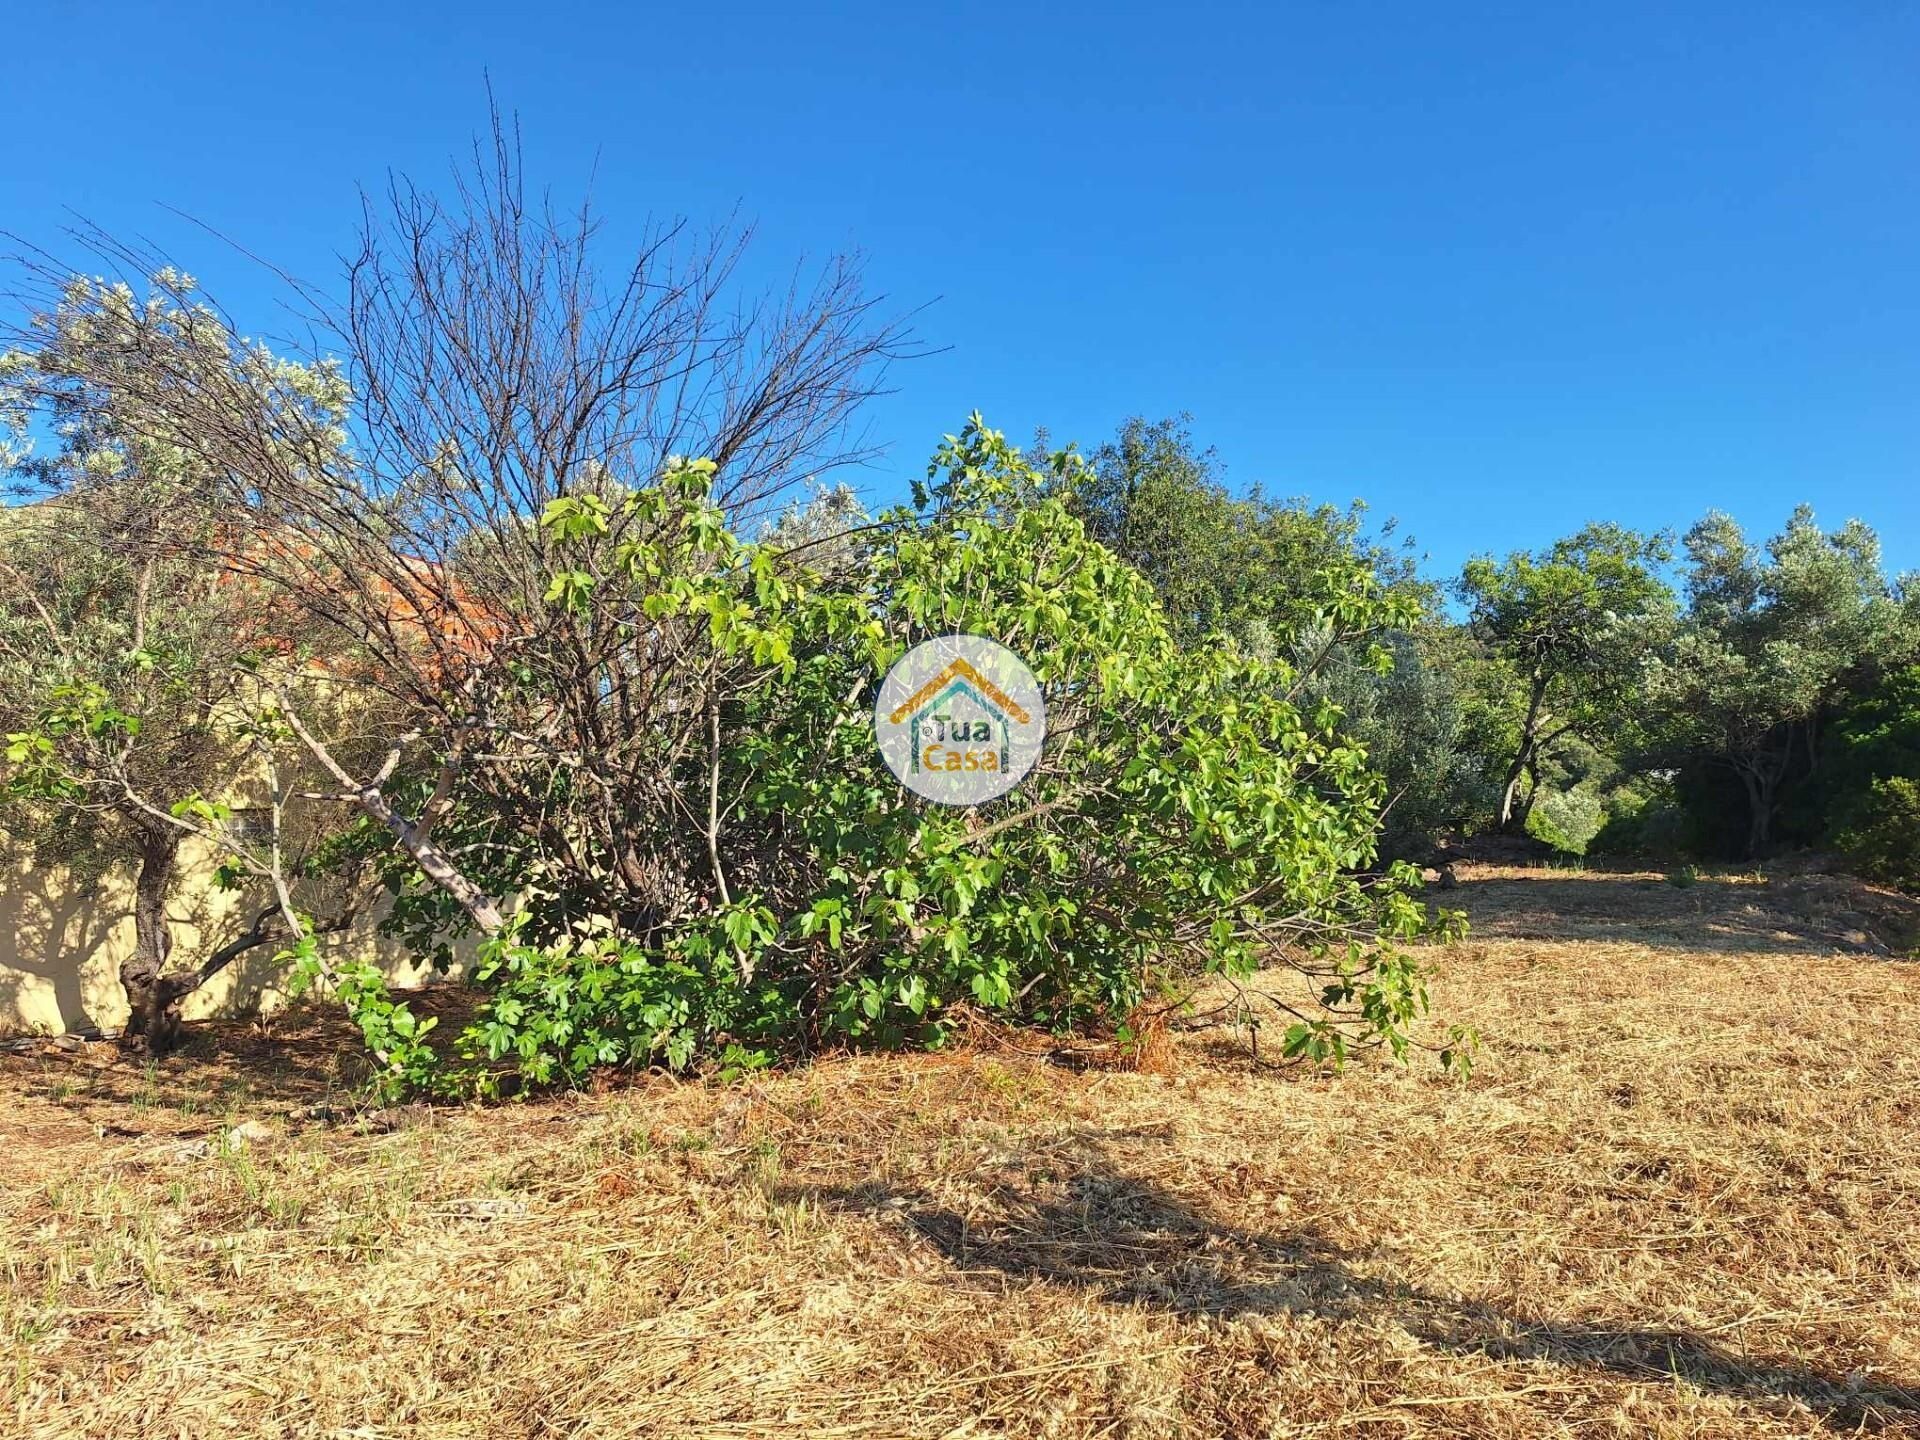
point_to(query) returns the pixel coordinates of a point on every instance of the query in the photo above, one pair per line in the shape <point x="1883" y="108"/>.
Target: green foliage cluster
<point x="1882" y="831"/>
<point x="1270" y="574"/>
<point x="1644" y="818"/>
<point x="1872" y="784"/>
<point x="1568" y="820"/>
<point x="1187" y="818"/>
<point x="405" y="1062"/>
<point x="1418" y="730"/>
<point x="1565" y="635"/>
<point x="1776" y="640"/>
<point x="1343" y="606"/>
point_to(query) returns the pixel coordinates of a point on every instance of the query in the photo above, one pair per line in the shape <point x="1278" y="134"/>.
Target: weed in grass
<point x="272" y="1193"/>
<point x="795" y="1221"/>
<point x="632" y="1142"/>
<point x="763" y="1165"/>
<point x="147" y="1097"/>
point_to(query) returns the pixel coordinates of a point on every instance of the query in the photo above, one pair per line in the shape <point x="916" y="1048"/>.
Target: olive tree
<point x="1572" y="627"/>
<point x="1772" y="638"/>
<point x="129" y="665"/>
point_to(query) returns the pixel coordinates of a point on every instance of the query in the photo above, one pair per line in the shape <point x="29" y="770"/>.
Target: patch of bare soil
<point x="1680" y="1196"/>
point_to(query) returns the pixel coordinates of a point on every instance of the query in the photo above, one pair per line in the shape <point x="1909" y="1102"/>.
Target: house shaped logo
<point x="960" y="707"/>
<point x="960" y="719"/>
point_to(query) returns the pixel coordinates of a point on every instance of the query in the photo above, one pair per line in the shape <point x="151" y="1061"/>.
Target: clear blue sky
<point x="1496" y="271"/>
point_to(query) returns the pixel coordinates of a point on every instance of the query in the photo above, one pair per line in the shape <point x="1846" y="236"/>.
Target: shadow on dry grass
<point x="1131" y="1243"/>
<point x="311" y="1056"/>
<point x="1736" y="912"/>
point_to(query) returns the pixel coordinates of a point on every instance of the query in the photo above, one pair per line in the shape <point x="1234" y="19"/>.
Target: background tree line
<point x="1612" y="693"/>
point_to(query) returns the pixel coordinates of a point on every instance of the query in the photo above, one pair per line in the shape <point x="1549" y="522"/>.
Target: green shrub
<point x="1870" y="767"/>
<point x="1883" y="838"/>
<point x="404" y="1062"/>
<point x="1185" y="819"/>
<point x="1644" y="818"/>
<point x="558" y="1011"/>
<point x="1408" y="718"/>
<point x="1567" y="820"/>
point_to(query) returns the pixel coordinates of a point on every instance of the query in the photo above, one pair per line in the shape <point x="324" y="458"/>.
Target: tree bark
<point x="415" y="837"/>
<point x="1532" y="792"/>
<point x="153" y="1000"/>
<point x="434" y="862"/>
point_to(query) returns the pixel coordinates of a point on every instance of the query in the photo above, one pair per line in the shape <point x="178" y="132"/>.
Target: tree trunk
<point x="1759" y="825"/>
<point x="1760" y="792"/>
<point x="1532" y="792"/>
<point x="414" y="837"/>
<point x="1524" y="756"/>
<point x="153" y="999"/>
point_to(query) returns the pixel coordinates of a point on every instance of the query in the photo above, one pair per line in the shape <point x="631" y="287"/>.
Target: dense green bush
<point x="1882" y="834"/>
<point x="1644" y="819"/>
<point x="1269" y="573"/>
<point x="1870" y="767"/>
<point x="1568" y="820"/>
<point x="1876" y="780"/>
<point x="1185" y="819"/>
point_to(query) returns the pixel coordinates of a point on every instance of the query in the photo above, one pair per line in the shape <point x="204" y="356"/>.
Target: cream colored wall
<point x="62" y="939"/>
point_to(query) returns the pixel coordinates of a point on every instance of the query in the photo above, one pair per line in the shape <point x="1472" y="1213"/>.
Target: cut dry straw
<point x="1680" y="1196"/>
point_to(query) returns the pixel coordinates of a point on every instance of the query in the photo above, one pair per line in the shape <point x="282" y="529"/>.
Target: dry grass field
<point x="1680" y="1196"/>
